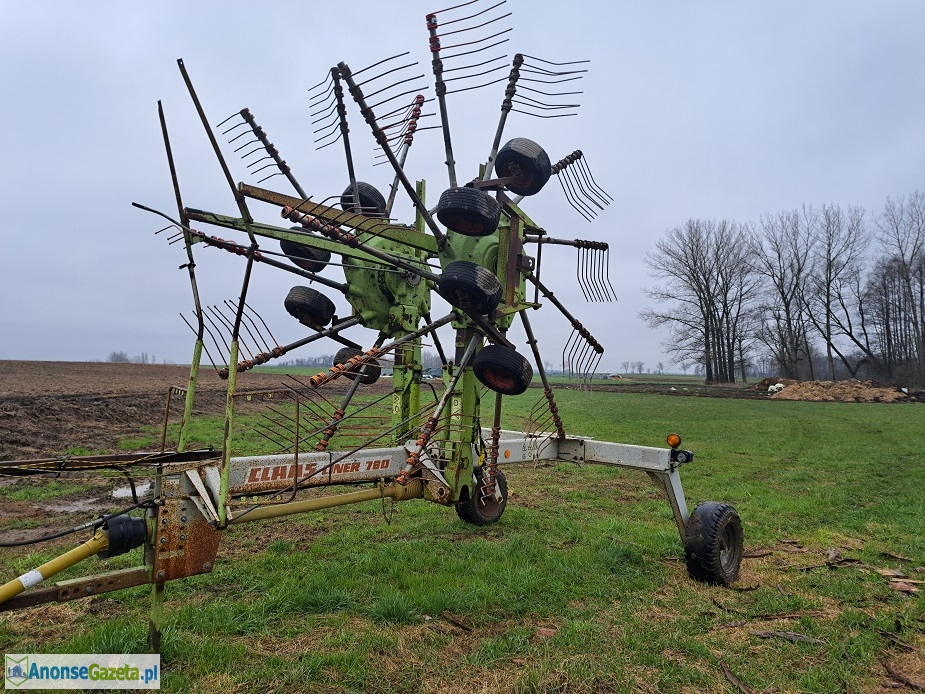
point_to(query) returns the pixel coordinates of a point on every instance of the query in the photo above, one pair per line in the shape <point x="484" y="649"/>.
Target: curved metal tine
<point x="267" y="178"/>
<point x="539" y="105"/>
<point x="328" y="144"/>
<point x="477" y="74"/>
<point x="387" y="72"/>
<point x="581" y="184"/>
<point x="612" y="290"/>
<point x="327" y="77"/>
<point x="467" y="67"/>
<point x="255" y="334"/>
<point x="472" y="43"/>
<point x="398" y="96"/>
<point x="566" y="364"/>
<point x="540" y="115"/>
<point x="539" y="81"/>
<point x="327" y="113"/>
<point x="537" y="70"/>
<point x="266" y="327"/>
<point x="321" y="99"/>
<point x="602" y="257"/>
<point x="595" y="274"/>
<point x="220" y="332"/>
<point x="354" y="73"/>
<point x="569" y="197"/>
<point x="545" y="104"/>
<point x="477" y="50"/>
<point x="204" y="345"/>
<point x="549" y="62"/>
<point x="586" y="169"/>
<point x="569" y="177"/>
<point x="395" y="84"/>
<point x="234" y="127"/>
<point x="579" y="272"/>
<point x="477" y="86"/>
<point x="540" y="91"/>
<point x="230" y="305"/>
<point x="230" y="325"/>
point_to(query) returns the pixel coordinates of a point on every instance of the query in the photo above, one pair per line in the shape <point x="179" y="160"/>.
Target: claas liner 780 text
<point x="477" y="248"/>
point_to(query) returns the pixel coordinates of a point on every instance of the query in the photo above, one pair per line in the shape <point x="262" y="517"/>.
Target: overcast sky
<point x="700" y="109"/>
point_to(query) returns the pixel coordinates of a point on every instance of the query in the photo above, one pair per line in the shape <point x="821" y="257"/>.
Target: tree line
<point x="824" y="292"/>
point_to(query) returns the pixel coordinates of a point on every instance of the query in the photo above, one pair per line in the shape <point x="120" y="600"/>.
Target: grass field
<point x="581" y="586"/>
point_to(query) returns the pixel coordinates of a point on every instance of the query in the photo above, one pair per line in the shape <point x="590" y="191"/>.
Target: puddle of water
<point x="126" y="491"/>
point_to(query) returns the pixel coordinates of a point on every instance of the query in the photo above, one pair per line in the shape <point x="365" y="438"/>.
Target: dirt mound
<point x="838" y="391"/>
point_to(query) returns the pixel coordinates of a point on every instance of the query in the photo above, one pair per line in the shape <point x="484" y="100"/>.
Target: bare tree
<point x="705" y="277"/>
<point x="901" y="230"/>
<point x="840" y="242"/>
<point x="782" y="255"/>
<point x="626" y="366"/>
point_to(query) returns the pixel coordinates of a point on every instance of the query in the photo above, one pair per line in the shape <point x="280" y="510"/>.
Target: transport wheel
<point x="309" y="307"/>
<point x="371" y="370"/>
<point x="469" y="211"/>
<point x="479" y="511"/>
<point x="306" y="257"/>
<point x="713" y="543"/>
<point x="525" y="161"/>
<point x="372" y="203"/>
<point x="502" y="370"/>
<point x="470" y="287"/>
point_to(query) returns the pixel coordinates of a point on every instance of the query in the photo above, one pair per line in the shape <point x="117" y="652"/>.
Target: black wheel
<point x="502" y="370"/>
<point x="470" y="287"/>
<point x="525" y="161"/>
<point x="372" y="204"/>
<point x="306" y="257"/>
<point x="309" y="307"/>
<point x="484" y="511"/>
<point x="469" y="211"/>
<point x="713" y="543"/>
<point x="371" y="370"/>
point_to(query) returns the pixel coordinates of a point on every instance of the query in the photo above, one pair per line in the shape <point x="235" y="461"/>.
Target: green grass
<point x="580" y="587"/>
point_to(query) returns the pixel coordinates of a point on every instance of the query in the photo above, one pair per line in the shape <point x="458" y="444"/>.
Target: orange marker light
<point x="507" y="454"/>
<point x="674" y="440"/>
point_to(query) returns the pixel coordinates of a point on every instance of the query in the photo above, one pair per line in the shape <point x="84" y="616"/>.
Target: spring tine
<point x="591" y="192"/>
<point x="592" y="264"/>
<point x="264" y="323"/>
<point x="245" y="320"/>
<point x="577" y="193"/>
<point x="387" y="72"/>
<point x="221" y="352"/>
<point x="568" y="197"/>
<point x="384" y="60"/>
<point x="580" y="273"/>
<point x="593" y="182"/>
<point x="250" y="313"/>
<point x="242" y="344"/>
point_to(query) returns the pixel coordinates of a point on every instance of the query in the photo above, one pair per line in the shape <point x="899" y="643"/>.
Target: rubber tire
<point x="372" y="203"/>
<point x="528" y="161"/>
<point x="713" y="543"/>
<point x="309" y="307"/>
<point x="476" y="513"/>
<point x="468" y="211"/>
<point x="306" y="257"/>
<point x="470" y="286"/>
<point x="371" y="373"/>
<point x="502" y="370"/>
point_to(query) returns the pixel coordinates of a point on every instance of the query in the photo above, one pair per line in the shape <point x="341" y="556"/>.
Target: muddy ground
<point x="48" y="408"/>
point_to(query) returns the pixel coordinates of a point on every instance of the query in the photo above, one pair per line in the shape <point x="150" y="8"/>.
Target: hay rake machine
<point x="399" y="442"/>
